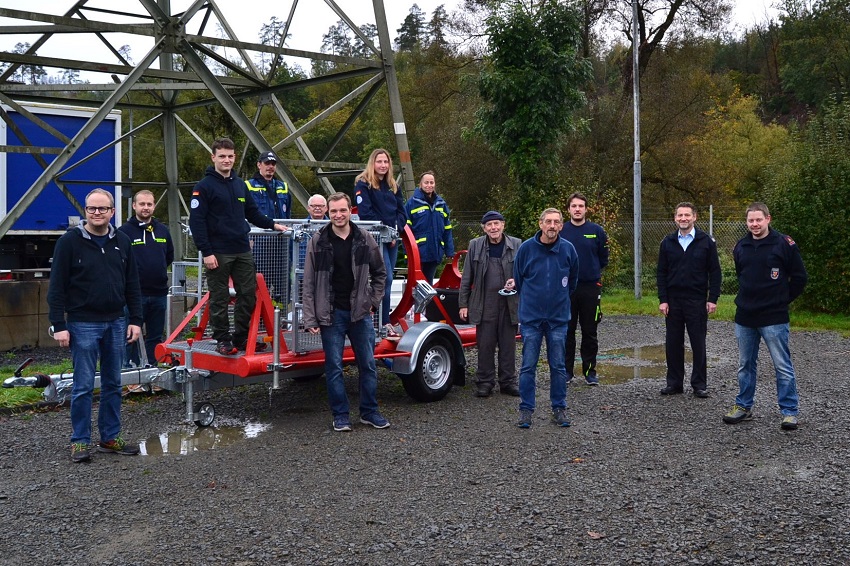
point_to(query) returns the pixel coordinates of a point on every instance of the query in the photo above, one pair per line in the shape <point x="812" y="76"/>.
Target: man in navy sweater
<point x="688" y="277"/>
<point x="545" y="269"/>
<point x="591" y="244"/>
<point x="771" y="274"/>
<point x="220" y="207"/>
<point x="153" y="250"/>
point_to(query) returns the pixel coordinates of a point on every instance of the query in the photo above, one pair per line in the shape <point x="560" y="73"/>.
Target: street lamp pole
<point x="637" y="167"/>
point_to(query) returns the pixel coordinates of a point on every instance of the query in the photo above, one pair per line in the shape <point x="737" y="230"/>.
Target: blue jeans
<point x="776" y="338"/>
<point x="532" y="337"/>
<point x="90" y="341"/>
<point x="361" y="335"/>
<point x="390" y="256"/>
<point x="153" y="315"/>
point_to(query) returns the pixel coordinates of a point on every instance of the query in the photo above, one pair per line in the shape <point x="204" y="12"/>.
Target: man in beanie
<point x="488" y="269"/>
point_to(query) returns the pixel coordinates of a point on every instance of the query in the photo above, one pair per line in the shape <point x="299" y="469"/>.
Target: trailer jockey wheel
<point x="206" y="415"/>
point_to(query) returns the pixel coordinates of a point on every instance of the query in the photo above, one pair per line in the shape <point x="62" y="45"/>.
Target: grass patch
<point x="18" y="396"/>
<point x="623" y="302"/>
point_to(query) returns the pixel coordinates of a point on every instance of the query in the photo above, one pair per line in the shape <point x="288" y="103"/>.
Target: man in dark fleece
<point x="220" y="207"/>
<point x="771" y="274"/>
<point x="688" y="277"/>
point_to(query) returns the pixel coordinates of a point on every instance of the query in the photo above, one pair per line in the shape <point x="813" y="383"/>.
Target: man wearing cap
<point x="274" y="201"/>
<point x="271" y="195"/>
<point x="488" y="269"/>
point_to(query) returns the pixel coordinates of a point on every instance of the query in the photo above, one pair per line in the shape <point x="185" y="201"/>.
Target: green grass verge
<point x="21" y="396"/>
<point x="623" y="302"/>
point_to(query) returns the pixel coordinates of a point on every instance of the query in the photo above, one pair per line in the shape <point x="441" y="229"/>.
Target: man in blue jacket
<point x="591" y="244"/>
<point x="92" y="279"/>
<point x="220" y="207"/>
<point x="545" y="275"/>
<point x="153" y="251"/>
<point x="274" y="202"/>
<point x="771" y="274"/>
<point x="688" y="277"/>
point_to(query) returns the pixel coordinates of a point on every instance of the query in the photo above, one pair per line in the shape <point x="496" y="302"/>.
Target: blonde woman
<point x="379" y="198"/>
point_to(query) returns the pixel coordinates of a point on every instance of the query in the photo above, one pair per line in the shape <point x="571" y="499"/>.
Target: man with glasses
<point x="92" y="279"/>
<point x="545" y="275"/>
<point x="317" y="208"/>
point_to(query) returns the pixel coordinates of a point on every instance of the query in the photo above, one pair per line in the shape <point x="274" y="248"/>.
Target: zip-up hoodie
<point x="92" y="284"/>
<point x="220" y="207"/>
<point x="545" y="277"/>
<point x="153" y="251"/>
<point x="431" y="226"/>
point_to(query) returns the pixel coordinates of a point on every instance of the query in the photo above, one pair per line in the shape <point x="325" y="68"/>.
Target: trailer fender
<point x="414" y="339"/>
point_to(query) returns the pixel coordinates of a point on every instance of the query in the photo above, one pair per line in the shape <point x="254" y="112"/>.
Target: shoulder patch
<point x="790" y="241"/>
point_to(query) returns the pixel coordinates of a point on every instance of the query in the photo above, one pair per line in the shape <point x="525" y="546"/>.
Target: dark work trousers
<point x="584" y="308"/>
<point x="240" y="268"/>
<point x="495" y="330"/>
<point x="684" y="313"/>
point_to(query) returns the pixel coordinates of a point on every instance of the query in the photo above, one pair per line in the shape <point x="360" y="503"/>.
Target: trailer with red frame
<point x="428" y="357"/>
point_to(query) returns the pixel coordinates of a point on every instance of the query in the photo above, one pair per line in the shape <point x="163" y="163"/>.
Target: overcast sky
<point x="311" y="21"/>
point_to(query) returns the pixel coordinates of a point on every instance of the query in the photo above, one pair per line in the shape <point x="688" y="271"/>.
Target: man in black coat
<point x="688" y="289"/>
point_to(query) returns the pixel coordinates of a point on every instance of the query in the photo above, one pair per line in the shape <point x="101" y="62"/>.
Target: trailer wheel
<point x="206" y="415"/>
<point x="432" y="378"/>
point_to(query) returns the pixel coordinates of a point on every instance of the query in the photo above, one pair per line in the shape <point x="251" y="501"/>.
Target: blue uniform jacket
<point x="280" y="206"/>
<point x="545" y="278"/>
<point x="431" y="226"/>
<point x="153" y="250"/>
<point x="380" y="204"/>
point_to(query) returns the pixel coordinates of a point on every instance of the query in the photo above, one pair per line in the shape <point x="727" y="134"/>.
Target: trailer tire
<point x="433" y="376"/>
<point x="206" y="415"/>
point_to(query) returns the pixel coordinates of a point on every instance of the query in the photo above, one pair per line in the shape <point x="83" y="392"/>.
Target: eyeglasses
<point x="98" y="209"/>
<point x="317" y="205"/>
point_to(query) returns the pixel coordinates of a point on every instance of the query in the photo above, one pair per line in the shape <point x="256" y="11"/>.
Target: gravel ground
<point x="637" y="479"/>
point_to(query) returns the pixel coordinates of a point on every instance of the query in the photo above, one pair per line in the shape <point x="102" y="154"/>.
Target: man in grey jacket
<point x="488" y="269"/>
<point x="344" y="277"/>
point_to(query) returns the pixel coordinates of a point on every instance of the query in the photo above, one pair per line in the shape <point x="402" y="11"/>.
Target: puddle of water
<point x="624" y="364"/>
<point x="194" y="439"/>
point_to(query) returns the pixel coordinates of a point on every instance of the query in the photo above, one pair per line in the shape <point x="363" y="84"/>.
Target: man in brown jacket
<point x="489" y="268"/>
<point x="344" y="277"/>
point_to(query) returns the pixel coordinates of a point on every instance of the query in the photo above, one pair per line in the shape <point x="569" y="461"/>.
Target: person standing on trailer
<point x="92" y="279"/>
<point x="153" y="251"/>
<point x="220" y="207"/>
<point x="428" y="216"/>
<point x="344" y="278"/>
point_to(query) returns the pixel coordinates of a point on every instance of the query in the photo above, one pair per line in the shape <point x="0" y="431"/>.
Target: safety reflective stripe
<point x="240" y="199"/>
<point x="448" y="226"/>
<point x="420" y="209"/>
<point x="410" y="222"/>
<point x="420" y="240"/>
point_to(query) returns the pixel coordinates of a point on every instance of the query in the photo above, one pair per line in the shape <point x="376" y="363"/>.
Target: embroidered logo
<point x="774" y="273"/>
<point x="195" y="203"/>
<point x="565" y="281"/>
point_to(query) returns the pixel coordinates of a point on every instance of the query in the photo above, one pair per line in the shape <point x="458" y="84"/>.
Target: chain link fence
<point x="654" y="227"/>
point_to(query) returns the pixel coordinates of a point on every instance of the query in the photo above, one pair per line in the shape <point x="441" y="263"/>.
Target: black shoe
<point x="483" y="391"/>
<point x="672" y="391"/>
<point x="511" y="390"/>
<point x="701" y="393"/>
<point x="260" y="346"/>
<point x="226" y="348"/>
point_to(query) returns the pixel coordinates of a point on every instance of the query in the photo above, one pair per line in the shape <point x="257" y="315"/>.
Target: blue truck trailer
<point x="96" y="164"/>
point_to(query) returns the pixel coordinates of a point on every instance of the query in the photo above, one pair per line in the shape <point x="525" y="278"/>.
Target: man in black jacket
<point x="688" y="278"/>
<point x="220" y="207"/>
<point x="92" y="279"/>
<point x="153" y="251"/>
<point x="771" y="274"/>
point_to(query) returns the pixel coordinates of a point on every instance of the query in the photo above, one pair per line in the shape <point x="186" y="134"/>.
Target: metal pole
<point x="637" y="171"/>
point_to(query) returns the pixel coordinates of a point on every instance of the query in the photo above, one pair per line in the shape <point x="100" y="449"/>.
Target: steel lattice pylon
<point x="172" y="35"/>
